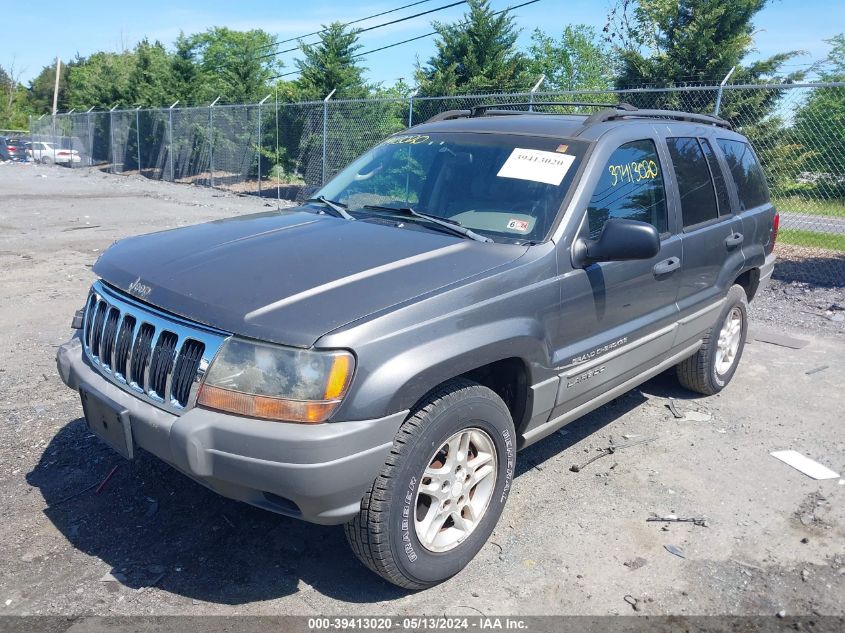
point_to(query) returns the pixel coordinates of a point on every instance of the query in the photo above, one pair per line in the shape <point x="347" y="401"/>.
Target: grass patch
<point x="796" y="204"/>
<point x="798" y="237"/>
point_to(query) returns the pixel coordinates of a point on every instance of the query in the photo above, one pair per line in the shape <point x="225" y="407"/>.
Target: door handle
<point x="667" y="266"/>
<point x="734" y="240"/>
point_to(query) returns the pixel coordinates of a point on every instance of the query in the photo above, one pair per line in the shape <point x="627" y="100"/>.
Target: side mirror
<point x="619" y="240"/>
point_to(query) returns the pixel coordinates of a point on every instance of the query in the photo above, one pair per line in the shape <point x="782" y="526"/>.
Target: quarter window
<point x="747" y="174"/>
<point x="718" y="177"/>
<point x="630" y="187"/>
<point x="695" y="186"/>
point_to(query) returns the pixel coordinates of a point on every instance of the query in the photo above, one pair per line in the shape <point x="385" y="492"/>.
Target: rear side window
<point x="695" y="186"/>
<point x="718" y="177"/>
<point x="630" y="187"/>
<point x="747" y="174"/>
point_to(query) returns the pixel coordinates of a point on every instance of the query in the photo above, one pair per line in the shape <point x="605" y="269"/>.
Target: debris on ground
<point x="672" y="518"/>
<point x="816" y="370"/>
<point x="113" y="577"/>
<point x="674" y="549"/>
<point x="610" y="450"/>
<point x="674" y="409"/>
<point x="634" y="602"/>
<point x="636" y="563"/>
<point x="776" y="338"/>
<point x="106" y="480"/>
<point x="804" y="464"/>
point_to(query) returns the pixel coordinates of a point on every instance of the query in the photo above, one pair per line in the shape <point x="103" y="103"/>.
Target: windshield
<point x="506" y="187"/>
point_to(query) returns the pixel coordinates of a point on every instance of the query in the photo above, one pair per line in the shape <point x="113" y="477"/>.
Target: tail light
<point x="774" y="235"/>
<point x="63" y="154"/>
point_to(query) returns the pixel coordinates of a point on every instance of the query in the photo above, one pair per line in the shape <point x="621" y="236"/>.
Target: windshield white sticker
<point x="536" y="165"/>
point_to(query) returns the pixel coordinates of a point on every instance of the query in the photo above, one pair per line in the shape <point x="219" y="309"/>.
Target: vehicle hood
<point x="291" y="276"/>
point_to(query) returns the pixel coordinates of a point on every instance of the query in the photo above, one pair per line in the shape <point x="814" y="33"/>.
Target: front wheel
<point x="442" y="489"/>
<point x="711" y="368"/>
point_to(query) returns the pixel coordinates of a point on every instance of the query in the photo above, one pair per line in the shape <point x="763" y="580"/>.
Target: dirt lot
<point x="568" y="543"/>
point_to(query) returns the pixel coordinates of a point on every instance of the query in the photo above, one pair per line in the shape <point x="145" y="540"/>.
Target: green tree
<point x="40" y="91"/>
<point x="819" y="124"/>
<point x="578" y="60"/>
<point x="233" y="65"/>
<point x="101" y="80"/>
<point x="151" y="80"/>
<point x="668" y="42"/>
<point x="330" y="64"/>
<point x="478" y="52"/>
<point x="14" y="109"/>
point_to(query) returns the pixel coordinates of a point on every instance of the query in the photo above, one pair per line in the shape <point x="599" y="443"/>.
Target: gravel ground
<point x="153" y="542"/>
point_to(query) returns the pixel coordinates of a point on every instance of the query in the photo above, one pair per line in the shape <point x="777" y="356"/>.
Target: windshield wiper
<point x="336" y="207"/>
<point x="452" y="225"/>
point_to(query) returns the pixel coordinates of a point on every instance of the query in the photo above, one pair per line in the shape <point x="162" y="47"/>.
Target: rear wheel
<point x="46" y="160"/>
<point x="442" y="489"/>
<point x="711" y="368"/>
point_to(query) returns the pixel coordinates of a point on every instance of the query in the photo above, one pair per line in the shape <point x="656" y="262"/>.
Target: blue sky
<point x="65" y="28"/>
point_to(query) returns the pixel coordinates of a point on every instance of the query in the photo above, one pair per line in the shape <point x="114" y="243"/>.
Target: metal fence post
<point x="533" y="90"/>
<point x="325" y="130"/>
<point x="90" y="138"/>
<point x="138" y="136"/>
<point x="411" y="107"/>
<point x="111" y="137"/>
<point x="278" y="176"/>
<point x="211" y="142"/>
<point x="260" y="103"/>
<point x="721" y="88"/>
<point x="170" y="137"/>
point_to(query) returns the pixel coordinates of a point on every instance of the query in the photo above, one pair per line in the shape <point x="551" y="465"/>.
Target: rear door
<point x="618" y="318"/>
<point x="711" y="234"/>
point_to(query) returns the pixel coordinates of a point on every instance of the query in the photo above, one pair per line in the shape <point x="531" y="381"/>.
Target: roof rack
<point x="614" y="114"/>
<point x="611" y="112"/>
<point x="496" y="108"/>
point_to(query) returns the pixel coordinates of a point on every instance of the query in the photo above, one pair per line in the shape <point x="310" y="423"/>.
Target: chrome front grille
<point x="156" y="356"/>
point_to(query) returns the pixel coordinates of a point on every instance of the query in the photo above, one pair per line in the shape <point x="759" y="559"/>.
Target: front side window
<point x="695" y="186"/>
<point x="631" y="187"/>
<point x="747" y="174"/>
<point x="505" y="187"/>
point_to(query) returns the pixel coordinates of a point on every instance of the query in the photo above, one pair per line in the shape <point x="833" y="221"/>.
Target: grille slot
<point x="158" y="357"/>
<point x="141" y="354"/>
<point x="109" y="334"/>
<point x="185" y="370"/>
<point x="123" y="345"/>
<point x="97" y="332"/>
<point x="162" y="362"/>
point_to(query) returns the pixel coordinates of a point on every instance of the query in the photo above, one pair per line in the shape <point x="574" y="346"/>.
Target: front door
<point x="618" y="318"/>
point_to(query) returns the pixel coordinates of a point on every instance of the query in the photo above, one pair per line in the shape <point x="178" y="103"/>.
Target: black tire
<point x="46" y="161"/>
<point x="699" y="372"/>
<point x="378" y="536"/>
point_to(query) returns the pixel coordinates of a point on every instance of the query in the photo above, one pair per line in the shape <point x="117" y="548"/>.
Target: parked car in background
<point x="4" y="149"/>
<point x="18" y="149"/>
<point x="48" y="153"/>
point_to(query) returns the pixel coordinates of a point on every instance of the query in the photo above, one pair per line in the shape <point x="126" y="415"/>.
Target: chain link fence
<point x="285" y="150"/>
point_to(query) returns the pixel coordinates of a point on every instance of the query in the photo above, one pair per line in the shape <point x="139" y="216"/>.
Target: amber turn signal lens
<point x="265" y="407"/>
<point x="339" y="376"/>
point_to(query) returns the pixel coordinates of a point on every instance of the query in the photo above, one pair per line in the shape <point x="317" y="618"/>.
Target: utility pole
<point x="326" y="130"/>
<point x="56" y="86"/>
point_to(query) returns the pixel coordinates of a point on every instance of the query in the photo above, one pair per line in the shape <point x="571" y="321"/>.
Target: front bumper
<point x="318" y="473"/>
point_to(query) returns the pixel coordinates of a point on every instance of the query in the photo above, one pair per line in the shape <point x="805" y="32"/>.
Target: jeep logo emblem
<point x="139" y="289"/>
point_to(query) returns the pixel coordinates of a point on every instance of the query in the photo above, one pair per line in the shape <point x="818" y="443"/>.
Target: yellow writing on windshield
<point x="407" y="139"/>
<point x="633" y="172"/>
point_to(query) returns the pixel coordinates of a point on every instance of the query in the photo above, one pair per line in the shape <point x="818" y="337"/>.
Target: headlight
<point x="260" y="380"/>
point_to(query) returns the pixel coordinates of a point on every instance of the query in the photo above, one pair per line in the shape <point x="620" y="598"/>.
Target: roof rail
<point x="448" y="115"/>
<point x="614" y="114"/>
<point x="481" y="110"/>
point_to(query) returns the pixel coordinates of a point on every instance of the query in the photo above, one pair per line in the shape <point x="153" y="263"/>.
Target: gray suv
<point x="376" y="356"/>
